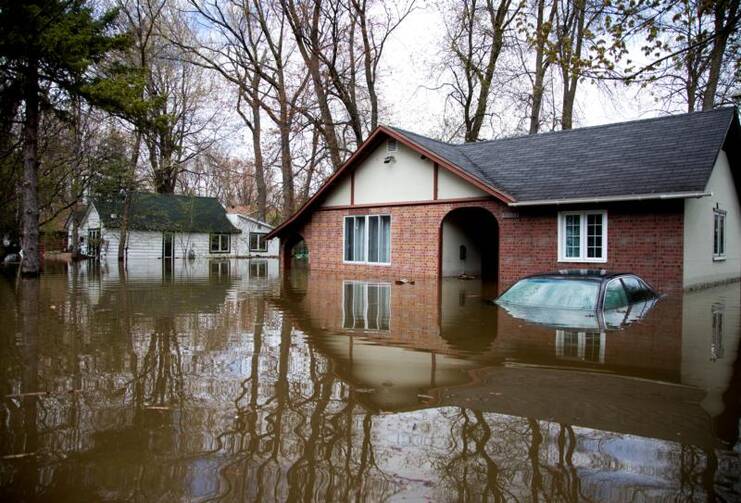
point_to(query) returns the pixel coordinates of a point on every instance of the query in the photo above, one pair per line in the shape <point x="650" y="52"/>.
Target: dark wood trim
<point x="352" y="188"/>
<point x="406" y="203"/>
<point x="434" y="181"/>
<point x="365" y="149"/>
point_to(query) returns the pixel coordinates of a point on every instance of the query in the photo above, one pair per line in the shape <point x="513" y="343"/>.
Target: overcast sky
<point x="413" y="50"/>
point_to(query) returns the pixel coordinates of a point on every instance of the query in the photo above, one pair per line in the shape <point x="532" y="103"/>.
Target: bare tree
<point x="475" y="41"/>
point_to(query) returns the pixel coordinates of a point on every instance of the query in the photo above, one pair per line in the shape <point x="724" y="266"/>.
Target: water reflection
<point x="222" y="380"/>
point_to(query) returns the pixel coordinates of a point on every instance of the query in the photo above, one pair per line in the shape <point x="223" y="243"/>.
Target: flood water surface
<point x="223" y="381"/>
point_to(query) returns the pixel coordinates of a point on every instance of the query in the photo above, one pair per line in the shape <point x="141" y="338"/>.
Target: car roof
<point x="582" y="274"/>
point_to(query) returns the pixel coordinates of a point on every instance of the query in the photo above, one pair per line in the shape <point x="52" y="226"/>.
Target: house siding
<point x="241" y="242"/>
<point x="644" y="238"/>
<point x="700" y="268"/>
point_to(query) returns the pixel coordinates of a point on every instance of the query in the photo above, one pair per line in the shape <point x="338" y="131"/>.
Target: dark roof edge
<point x="596" y="126"/>
<point x="393" y="133"/>
<point x="610" y="199"/>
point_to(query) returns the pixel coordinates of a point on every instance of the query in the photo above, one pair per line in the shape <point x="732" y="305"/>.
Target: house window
<point x="258" y="242"/>
<point x="391" y="145"/>
<point x="220" y="243"/>
<point x="719" y="234"/>
<point x="258" y="269"/>
<point x="580" y="346"/>
<point x="368" y="239"/>
<point x="366" y="306"/>
<point x="582" y="236"/>
<point x="716" y="344"/>
<point x="219" y="268"/>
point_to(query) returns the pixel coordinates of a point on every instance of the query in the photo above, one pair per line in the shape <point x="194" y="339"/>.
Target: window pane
<point x="373" y="229"/>
<point x="572" y="246"/>
<point x="716" y="232"/>
<point x="545" y="292"/>
<point x="349" y="320"/>
<point x="349" y="239"/>
<point x="615" y="295"/>
<point x="637" y="291"/>
<point x="373" y="307"/>
<point x="722" y="236"/>
<point x="359" y="240"/>
<point x="214" y="242"/>
<point x="359" y="302"/>
<point x="384" y="245"/>
<point x="594" y="236"/>
<point x="384" y="306"/>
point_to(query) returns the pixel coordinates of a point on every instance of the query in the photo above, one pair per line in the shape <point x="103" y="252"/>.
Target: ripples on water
<point x="223" y="381"/>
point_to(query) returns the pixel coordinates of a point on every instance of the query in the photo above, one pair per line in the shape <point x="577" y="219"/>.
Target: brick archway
<point x="292" y="244"/>
<point x="469" y="243"/>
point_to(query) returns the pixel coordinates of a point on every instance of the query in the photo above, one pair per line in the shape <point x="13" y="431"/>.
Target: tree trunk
<point x="256" y="128"/>
<point x="31" y="265"/>
<point x="540" y="64"/>
<point x="722" y="32"/>
<point x="572" y="69"/>
<point x="124" y="234"/>
<point x="311" y="59"/>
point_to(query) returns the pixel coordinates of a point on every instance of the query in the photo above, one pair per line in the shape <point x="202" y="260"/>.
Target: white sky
<point x="413" y="49"/>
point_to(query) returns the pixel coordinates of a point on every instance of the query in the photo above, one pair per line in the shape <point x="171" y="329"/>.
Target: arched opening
<point x="469" y="244"/>
<point x="295" y="252"/>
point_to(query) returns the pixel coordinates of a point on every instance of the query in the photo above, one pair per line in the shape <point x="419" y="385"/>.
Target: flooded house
<point x="657" y="197"/>
<point x="170" y="226"/>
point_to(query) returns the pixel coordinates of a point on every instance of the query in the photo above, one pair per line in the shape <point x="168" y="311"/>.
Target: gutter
<point x="609" y="199"/>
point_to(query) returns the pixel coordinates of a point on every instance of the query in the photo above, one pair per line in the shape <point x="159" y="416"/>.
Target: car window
<point x="552" y="292"/>
<point x="637" y="291"/>
<point x="615" y="295"/>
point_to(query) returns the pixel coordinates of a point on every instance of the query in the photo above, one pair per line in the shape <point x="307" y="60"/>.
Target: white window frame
<point x="264" y="241"/>
<point x="365" y="285"/>
<point x="219" y="236"/>
<point x="717" y="212"/>
<point x="582" y="258"/>
<point x="367" y="242"/>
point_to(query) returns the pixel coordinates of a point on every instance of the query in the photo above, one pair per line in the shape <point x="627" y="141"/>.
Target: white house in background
<point x="164" y="226"/>
<point x="251" y="242"/>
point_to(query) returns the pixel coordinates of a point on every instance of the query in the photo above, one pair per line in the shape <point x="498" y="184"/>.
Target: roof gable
<point x="167" y="212"/>
<point x="665" y="155"/>
<point x="671" y="155"/>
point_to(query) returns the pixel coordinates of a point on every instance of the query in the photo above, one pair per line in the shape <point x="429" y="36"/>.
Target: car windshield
<point x="552" y="292"/>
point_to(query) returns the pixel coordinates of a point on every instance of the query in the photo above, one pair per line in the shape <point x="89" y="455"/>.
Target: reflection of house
<point x="450" y="344"/>
<point x="366" y="306"/>
<point x="161" y="226"/>
<point x="656" y="197"/>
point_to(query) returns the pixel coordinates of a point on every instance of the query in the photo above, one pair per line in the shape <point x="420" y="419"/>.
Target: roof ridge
<point x="597" y="126"/>
<point x="173" y="195"/>
<point x="566" y="131"/>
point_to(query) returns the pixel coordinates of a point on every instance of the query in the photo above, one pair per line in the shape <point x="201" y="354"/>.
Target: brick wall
<point x="645" y="238"/>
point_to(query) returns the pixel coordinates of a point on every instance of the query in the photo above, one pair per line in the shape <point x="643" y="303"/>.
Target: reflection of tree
<point x="469" y="469"/>
<point x="159" y="380"/>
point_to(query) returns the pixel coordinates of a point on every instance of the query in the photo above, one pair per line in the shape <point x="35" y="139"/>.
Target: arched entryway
<point x="295" y="252"/>
<point x="469" y="244"/>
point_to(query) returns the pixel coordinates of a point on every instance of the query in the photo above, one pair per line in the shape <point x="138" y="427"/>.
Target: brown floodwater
<point x="223" y="381"/>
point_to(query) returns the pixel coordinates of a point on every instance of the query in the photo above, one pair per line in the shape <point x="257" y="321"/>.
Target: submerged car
<point x="583" y="299"/>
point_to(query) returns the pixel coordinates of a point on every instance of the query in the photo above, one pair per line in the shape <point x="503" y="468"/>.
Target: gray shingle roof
<point x="672" y="154"/>
<point x="167" y="212"/>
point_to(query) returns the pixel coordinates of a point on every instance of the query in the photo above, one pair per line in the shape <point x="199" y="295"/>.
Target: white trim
<point x="723" y="214"/>
<point x="561" y="236"/>
<point x="264" y="241"/>
<point x="607" y="199"/>
<point x="367" y="242"/>
<point x="365" y="285"/>
<point x="254" y="220"/>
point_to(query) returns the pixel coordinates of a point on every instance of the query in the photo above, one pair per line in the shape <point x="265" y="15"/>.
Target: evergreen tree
<point x="47" y="47"/>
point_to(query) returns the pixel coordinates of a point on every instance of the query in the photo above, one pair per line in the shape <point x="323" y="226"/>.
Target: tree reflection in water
<point x="217" y="389"/>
